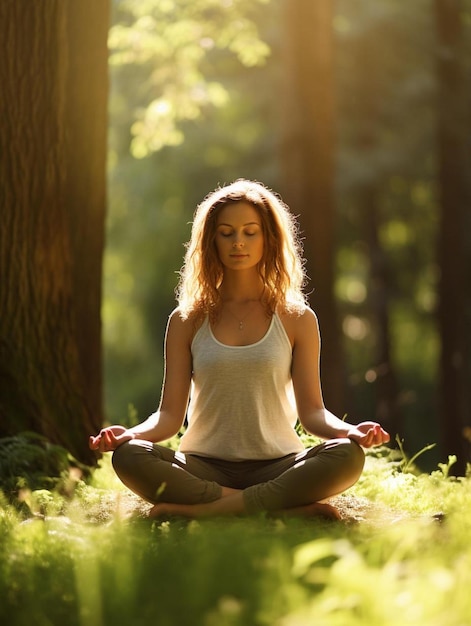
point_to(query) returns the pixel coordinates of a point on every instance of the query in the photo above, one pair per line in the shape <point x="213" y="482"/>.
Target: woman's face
<point x="239" y="236"/>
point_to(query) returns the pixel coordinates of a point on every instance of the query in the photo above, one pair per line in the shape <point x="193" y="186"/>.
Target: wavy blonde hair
<point x="281" y="267"/>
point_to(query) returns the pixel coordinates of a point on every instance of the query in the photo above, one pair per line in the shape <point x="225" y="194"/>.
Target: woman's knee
<point x="124" y="457"/>
<point x="120" y="457"/>
<point x="346" y="453"/>
<point x="354" y="455"/>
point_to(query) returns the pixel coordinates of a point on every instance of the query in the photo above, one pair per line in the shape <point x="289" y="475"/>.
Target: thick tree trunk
<point x="52" y="178"/>
<point x="308" y="167"/>
<point x="454" y="123"/>
<point x="85" y="185"/>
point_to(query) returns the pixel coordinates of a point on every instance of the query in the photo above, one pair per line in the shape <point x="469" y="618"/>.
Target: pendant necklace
<point x="241" y="321"/>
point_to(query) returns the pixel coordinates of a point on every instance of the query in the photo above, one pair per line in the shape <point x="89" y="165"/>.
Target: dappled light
<point x="355" y="328"/>
<point x="172" y="42"/>
<point x="118" y="117"/>
<point x="205" y="113"/>
<point x="403" y="535"/>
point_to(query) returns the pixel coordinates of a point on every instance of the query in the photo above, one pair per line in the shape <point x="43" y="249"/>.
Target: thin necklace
<point x="241" y="321"/>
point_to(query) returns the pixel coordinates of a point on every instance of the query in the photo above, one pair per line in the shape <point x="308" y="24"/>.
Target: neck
<point x="239" y="289"/>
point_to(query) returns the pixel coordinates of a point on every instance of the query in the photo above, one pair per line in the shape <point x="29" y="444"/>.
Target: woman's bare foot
<point x="166" y="509"/>
<point x="229" y="503"/>
<point x="316" y="509"/>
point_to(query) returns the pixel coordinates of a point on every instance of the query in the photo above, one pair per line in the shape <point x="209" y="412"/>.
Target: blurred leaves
<point x="240" y="571"/>
<point x="151" y="200"/>
<point x="172" y="42"/>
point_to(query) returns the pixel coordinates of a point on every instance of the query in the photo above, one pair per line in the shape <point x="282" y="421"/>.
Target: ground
<point x="126" y="505"/>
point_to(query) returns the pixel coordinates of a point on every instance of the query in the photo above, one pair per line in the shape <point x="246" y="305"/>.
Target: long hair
<point x="281" y="267"/>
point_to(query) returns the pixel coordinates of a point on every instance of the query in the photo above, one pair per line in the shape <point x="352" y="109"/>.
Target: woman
<point x="243" y="349"/>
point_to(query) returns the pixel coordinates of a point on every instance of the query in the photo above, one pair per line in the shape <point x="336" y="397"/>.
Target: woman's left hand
<point x="368" y="434"/>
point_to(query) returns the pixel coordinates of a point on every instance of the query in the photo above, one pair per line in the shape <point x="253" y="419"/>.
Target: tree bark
<point x="308" y="166"/>
<point x="86" y="153"/>
<point x="454" y="123"/>
<point x="52" y="177"/>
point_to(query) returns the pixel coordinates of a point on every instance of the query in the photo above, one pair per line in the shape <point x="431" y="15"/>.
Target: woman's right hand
<point x="108" y="439"/>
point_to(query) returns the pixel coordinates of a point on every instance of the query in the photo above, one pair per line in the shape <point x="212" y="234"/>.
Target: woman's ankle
<point x="227" y="491"/>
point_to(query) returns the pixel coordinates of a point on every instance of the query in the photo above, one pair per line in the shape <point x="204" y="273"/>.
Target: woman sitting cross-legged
<point x="242" y="353"/>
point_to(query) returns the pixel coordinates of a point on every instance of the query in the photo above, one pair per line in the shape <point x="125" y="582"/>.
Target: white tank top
<point x="242" y="402"/>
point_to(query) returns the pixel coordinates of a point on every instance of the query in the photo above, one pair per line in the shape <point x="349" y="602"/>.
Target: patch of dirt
<point x="126" y="505"/>
<point x="120" y="505"/>
<point x="361" y="510"/>
<point x="354" y="509"/>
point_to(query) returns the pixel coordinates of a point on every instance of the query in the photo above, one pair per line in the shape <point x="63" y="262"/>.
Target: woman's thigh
<point x="311" y="476"/>
<point x="159" y="474"/>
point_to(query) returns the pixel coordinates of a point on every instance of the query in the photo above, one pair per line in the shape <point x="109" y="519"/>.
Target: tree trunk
<point x="383" y="374"/>
<point x="86" y="152"/>
<point x="52" y="177"/>
<point x="308" y="168"/>
<point x="454" y="163"/>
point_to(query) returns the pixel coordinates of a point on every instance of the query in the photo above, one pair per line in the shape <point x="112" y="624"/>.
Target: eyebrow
<point x="247" y="224"/>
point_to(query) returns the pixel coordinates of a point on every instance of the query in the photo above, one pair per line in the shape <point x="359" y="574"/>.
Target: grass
<point x="401" y="555"/>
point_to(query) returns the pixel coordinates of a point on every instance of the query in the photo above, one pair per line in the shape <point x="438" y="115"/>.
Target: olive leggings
<point x="159" y="474"/>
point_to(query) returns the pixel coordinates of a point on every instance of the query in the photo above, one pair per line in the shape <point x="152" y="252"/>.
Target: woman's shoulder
<point x="185" y="325"/>
<point x="299" y="322"/>
<point x="297" y="315"/>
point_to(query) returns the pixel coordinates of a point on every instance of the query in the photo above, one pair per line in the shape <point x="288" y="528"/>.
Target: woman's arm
<point x="168" y="419"/>
<point x="313" y="415"/>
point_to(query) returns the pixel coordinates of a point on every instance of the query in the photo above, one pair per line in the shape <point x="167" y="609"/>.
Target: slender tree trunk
<point x="454" y="125"/>
<point x="52" y="181"/>
<point x="308" y="166"/>
<point x="383" y="373"/>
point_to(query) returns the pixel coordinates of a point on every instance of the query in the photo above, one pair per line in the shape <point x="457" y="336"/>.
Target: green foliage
<point x="152" y="200"/>
<point x="95" y="565"/>
<point x="28" y="461"/>
<point x="169" y="42"/>
<point x="407" y="465"/>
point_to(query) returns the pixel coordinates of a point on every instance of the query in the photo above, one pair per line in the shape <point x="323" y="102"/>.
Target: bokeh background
<point x="201" y="94"/>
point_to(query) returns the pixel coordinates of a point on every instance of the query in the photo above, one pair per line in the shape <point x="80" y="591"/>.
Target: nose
<point x="237" y="244"/>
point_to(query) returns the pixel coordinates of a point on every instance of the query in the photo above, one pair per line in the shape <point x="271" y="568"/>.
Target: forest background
<point x="357" y="112"/>
<point x="166" y="155"/>
<point x="124" y="114"/>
